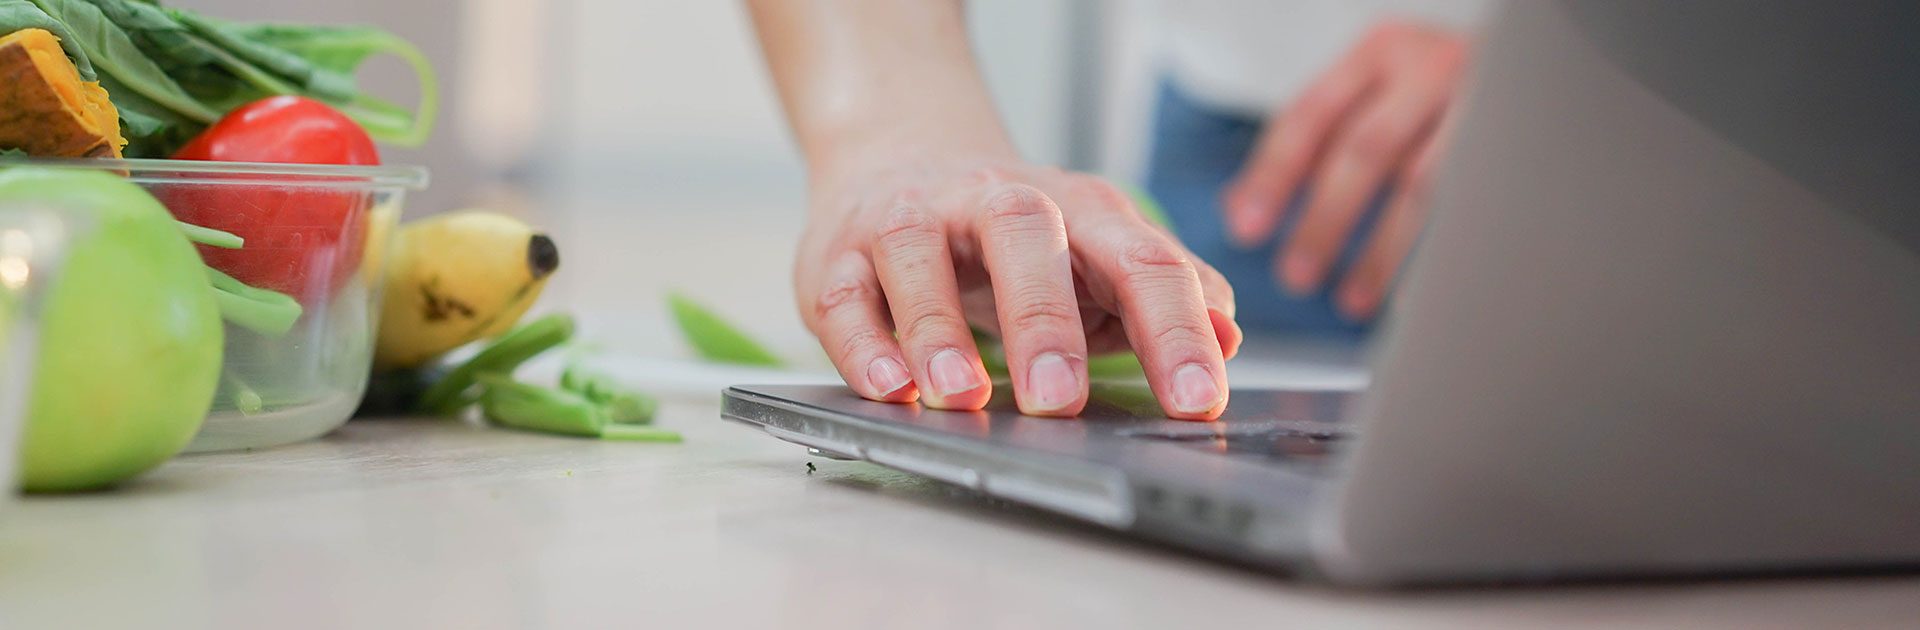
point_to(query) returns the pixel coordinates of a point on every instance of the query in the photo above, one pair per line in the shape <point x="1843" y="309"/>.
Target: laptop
<point x="1665" y="322"/>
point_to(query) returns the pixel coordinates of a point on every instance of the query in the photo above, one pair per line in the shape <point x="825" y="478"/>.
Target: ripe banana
<point x="455" y="278"/>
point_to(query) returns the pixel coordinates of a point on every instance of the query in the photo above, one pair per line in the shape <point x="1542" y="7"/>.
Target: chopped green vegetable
<point x="264" y="311"/>
<point x="501" y="357"/>
<point x="624" y="405"/>
<point x="639" y="433"/>
<point x="714" y="338"/>
<point x="211" y="237"/>
<point x="535" y="408"/>
<point x="245" y="399"/>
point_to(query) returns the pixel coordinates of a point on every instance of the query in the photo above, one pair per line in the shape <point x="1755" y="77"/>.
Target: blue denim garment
<point x="1195" y="152"/>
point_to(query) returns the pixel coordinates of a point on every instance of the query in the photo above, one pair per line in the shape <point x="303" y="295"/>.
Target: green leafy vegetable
<point x="172" y="72"/>
<point x="716" y="339"/>
<point x="112" y="51"/>
<point x="341" y="50"/>
<point x="18" y="15"/>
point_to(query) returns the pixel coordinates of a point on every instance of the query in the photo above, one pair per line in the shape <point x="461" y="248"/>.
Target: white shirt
<point x="1250" y="56"/>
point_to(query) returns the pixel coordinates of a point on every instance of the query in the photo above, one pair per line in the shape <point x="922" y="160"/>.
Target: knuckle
<point x="1182" y="333"/>
<point x="1155" y="258"/>
<point x="860" y="343"/>
<point x="841" y="294"/>
<point x="986" y="175"/>
<point x="905" y="224"/>
<point x="1019" y="203"/>
<point x="1042" y="314"/>
<point x="932" y="321"/>
<point x="1095" y="188"/>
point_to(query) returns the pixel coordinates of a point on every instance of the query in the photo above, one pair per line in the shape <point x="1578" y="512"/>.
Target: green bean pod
<point x="535" y="408"/>
<point x="264" y="311"/>
<point x="503" y="356"/>
<point x="623" y="404"/>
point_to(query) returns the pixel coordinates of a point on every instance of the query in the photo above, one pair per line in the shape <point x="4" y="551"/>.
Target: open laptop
<point x="1665" y="321"/>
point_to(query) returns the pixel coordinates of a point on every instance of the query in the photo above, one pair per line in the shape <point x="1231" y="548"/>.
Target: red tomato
<point x="302" y="241"/>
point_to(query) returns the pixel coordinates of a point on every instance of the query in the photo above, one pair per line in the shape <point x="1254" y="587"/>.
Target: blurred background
<point x="646" y="137"/>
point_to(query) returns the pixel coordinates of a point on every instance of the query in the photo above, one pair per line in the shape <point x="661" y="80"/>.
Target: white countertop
<point x="434" y="523"/>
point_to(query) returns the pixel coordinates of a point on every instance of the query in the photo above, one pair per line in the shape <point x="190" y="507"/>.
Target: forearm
<point x="866" y="78"/>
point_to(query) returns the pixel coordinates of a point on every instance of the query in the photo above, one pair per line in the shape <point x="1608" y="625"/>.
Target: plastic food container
<point x="316" y="233"/>
<point x="32" y="245"/>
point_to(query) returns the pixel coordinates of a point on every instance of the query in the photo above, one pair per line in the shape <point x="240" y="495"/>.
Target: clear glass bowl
<point x="33" y="244"/>
<point x="316" y="232"/>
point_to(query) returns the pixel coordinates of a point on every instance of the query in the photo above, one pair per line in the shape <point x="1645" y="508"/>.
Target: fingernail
<point x="1194" y="390"/>
<point x="1051" y="383"/>
<point x="1301" y="272"/>
<point x="951" y="373"/>
<point x="887" y="375"/>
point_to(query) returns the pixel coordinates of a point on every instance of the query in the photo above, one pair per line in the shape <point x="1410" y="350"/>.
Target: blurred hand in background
<point x="1369" y="122"/>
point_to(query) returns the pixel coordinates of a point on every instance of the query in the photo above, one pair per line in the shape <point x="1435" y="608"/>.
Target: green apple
<point x="129" y="351"/>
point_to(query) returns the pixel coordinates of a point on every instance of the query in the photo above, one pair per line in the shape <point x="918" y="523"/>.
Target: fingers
<point x="1023" y="239"/>
<point x="915" y="269"/>
<point x="1156" y="287"/>
<point x="850" y="318"/>
<point x="1289" y="147"/>
<point x="1220" y="309"/>
<point x="1375" y="143"/>
<point x="1365" y="287"/>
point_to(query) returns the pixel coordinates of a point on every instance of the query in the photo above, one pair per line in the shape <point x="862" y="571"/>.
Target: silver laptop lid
<point x="1667" y="315"/>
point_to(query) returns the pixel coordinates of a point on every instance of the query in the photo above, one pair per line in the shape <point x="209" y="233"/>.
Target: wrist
<point x="874" y="148"/>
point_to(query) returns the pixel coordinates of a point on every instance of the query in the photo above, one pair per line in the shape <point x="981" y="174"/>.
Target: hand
<point x="1370" y="120"/>
<point x="1059" y="264"/>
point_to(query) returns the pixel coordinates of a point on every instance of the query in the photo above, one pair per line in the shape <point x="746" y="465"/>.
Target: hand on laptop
<point x="923" y="221"/>
<point x="1058" y="264"/>
<point x="1368" y="122"/>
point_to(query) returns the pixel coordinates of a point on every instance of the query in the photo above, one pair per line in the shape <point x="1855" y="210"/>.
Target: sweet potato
<point x="45" y="109"/>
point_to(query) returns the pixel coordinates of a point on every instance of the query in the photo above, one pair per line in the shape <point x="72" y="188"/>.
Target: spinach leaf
<point x="342" y="49"/>
<point x="16" y="15"/>
<point x="109" y="48"/>
<point x="151" y="129"/>
<point x="327" y="84"/>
